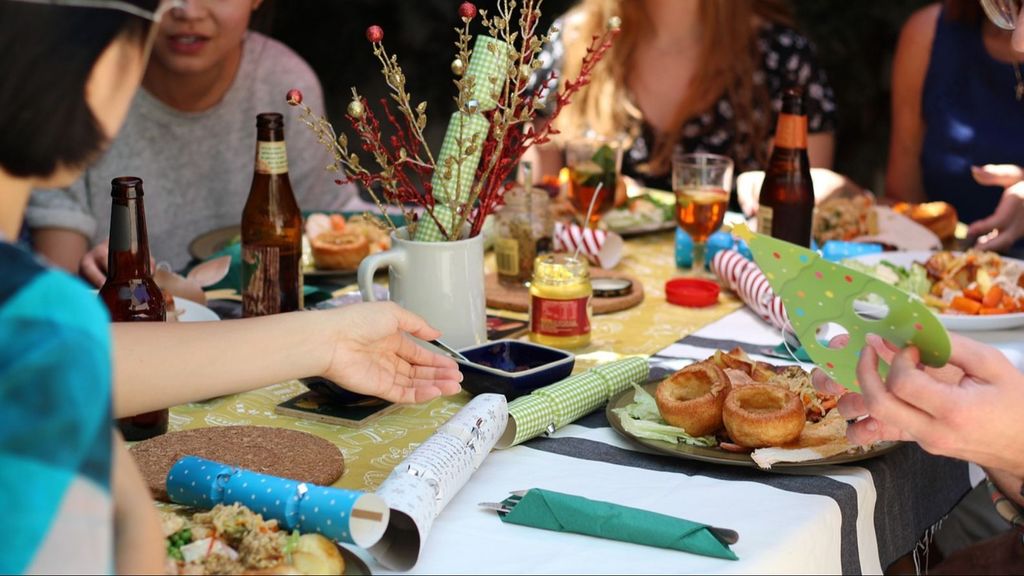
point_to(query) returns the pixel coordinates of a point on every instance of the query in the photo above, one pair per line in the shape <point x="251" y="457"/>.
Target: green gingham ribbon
<point x="554" y="406"/>
<point x="488" y="67"/>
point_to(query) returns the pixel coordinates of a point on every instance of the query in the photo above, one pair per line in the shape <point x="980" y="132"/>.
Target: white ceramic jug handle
<point x="369" y="266"/>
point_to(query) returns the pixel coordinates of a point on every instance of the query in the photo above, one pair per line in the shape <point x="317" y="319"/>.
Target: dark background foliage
<point x="855" y="41"/>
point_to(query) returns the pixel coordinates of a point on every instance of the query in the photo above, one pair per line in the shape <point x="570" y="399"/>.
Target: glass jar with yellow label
<point x="523" y="229"/>
<point x="560" y="295"/>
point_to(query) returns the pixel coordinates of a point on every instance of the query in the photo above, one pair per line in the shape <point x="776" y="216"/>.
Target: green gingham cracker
<point x="575" y="397"/>
<point x="462" y="128"/>
<point x="488" y="67"/>
<point x="426" y="228"/>
<point x="554" y="406"/>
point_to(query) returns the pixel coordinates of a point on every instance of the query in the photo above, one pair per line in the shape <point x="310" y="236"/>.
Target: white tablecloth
<point x="829" y="519"/>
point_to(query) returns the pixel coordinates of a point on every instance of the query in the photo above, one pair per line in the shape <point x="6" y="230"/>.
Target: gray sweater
<point x="197" y="167"/>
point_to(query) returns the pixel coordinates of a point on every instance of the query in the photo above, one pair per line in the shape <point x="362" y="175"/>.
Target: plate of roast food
<point x="731" y="409"/>
<point x="968" y="291"/>
<point x="337" y="243"/>
<point x="232" y="539"/>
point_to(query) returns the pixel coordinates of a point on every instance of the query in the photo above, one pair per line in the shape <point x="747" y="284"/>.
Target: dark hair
<point x="47" y="53"/>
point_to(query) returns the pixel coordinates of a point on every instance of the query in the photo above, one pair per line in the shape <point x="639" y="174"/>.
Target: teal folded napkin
<point x="567" y="513"/>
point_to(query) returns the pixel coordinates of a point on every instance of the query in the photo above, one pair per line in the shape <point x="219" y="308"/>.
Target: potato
<point x="315" y="554"/>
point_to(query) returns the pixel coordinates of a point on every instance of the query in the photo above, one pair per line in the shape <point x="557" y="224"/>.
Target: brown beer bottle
<point x="786" y="202"/>
<point x="130" y="293"/>
<point x="271" y="228"/>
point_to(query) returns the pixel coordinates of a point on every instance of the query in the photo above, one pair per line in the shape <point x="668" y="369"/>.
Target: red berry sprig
<point x="375" y="34"/>
<point x="467" y="10"/>
<point x="294" y="97"/>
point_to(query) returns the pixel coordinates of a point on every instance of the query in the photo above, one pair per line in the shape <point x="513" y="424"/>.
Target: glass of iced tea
<point x="593" y="161"/>
<point x="702" y="183"/>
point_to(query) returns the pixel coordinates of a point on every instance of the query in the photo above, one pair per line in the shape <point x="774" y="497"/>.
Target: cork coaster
<point x="517" y="299"/>
<point x="276" y="451"/>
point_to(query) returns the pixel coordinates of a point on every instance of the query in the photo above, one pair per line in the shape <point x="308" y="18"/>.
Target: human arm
<point x="62" y="247"/>
<point x="139" y="542"/>
<point x="906" y="137"/>
<point x="821" y="148"/>
<point x="547" y="159"/>
<point x="364" y="347"/>
<point x="969" y="410"/>
<point x="61" y="224"/>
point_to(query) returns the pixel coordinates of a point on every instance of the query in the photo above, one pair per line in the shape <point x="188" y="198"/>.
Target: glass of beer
<point x="593" y="161"/>
<point x="702" y="183"/>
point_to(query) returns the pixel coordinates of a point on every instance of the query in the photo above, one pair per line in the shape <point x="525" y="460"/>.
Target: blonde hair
<point x="728" y="58"/>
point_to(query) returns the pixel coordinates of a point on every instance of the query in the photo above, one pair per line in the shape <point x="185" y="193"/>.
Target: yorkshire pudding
<point x="939" y="217"/>
<point x="692" y="398"/>
<point x="339" y="250"/>
<point x="763" y="415"/>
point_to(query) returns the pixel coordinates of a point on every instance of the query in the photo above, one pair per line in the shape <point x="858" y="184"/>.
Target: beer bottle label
<point x="791" y="132"/>
<point x="261" y="280"/>
<point x="271" y="158"/>
<point x="506" y="252"/>
<point x="765" y="217"/>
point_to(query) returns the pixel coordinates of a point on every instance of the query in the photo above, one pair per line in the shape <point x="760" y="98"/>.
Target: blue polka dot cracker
<point x="818" y="293"/>
<point x="348" y="516"/>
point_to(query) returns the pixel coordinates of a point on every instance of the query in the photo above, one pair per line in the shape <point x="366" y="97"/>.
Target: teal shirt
<point x="55" y="420"/>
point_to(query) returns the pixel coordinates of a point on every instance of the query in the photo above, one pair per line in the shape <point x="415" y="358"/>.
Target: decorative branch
<point x="405" y="165"/>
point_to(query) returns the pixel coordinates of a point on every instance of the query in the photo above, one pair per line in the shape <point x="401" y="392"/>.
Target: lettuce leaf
<point x="643" y="420"/>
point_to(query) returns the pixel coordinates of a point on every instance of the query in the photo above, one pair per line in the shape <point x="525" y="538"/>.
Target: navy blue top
<point x="971" y="117"/>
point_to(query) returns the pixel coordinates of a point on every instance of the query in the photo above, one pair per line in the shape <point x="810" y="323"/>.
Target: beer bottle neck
<point x="128" y="257"/>
<point x="791" y="132"/>
<point x="271" y="152"/>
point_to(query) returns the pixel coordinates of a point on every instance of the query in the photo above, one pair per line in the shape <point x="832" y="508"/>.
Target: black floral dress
<point x="787" y="60"/>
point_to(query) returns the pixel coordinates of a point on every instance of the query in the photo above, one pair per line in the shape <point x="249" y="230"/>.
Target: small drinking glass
<point x="702" y="183"/>
<point x="593" y="161"/>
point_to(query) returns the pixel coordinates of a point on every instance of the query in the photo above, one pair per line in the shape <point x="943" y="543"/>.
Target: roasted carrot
<point x="992" y="311"/>
<point x="993" y="297"/>
<point x="965" y="305"/>
<point x="974" y="293"/>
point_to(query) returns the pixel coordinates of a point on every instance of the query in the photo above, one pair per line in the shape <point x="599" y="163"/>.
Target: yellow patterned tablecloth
<point x="373" y="450"/>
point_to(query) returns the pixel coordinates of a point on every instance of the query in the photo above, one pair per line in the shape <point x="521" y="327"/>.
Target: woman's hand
<point x="969" y="409"/>
<point x="373" y="354"/>
<point x="1006" y="225"/>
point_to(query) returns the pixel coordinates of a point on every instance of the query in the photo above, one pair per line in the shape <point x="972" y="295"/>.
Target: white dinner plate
<point x="955" y="322"/>
<point x="193" y="311"/>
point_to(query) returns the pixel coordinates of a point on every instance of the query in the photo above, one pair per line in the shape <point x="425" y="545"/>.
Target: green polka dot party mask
<point x="817" y="293"/>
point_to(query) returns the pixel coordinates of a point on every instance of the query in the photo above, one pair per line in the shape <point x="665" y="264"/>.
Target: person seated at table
<point x="957" y="111"/>
<point x="695" y="76"/>
<point x="190" y="136"/>
<point x="76" y="69"/>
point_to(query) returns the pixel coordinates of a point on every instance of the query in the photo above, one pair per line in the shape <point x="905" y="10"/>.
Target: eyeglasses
<point x="126" y="7"/>
<point x="1002" y="13"/>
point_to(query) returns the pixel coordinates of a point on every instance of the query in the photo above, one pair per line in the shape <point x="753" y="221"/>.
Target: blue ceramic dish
<point x="513" y="367"/>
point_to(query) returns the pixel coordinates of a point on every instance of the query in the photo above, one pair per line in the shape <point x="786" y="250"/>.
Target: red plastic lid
<point x="691" y="292"/>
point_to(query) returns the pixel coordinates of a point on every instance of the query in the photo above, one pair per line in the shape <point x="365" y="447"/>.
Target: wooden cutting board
<point x="517" y="299"/>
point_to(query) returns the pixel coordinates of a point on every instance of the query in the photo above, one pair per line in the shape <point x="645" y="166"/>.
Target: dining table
<point x="855" y="517"/>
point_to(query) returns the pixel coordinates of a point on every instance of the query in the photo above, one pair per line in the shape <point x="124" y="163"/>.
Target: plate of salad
<point x="969" y="291"/>
<point x="649" y="211"/>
